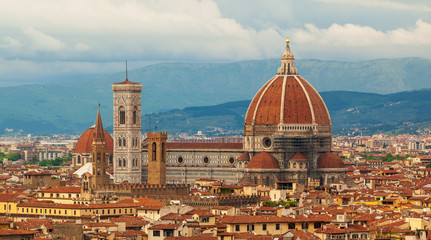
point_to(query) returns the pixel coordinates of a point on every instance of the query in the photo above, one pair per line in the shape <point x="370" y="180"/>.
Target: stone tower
<point x="127" y="131"/>
<point x="157" y="157"/>
<point x="98" y="153"/>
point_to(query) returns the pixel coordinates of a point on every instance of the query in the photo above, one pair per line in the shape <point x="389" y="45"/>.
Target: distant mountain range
<point x="402" y="112"/>
<point x="71" y="107"/>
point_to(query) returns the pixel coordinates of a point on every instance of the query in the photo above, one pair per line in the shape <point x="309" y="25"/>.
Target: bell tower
<point x="157" y="157"/>
<point x="98" y="153"/>
<point x="127" y="131"/>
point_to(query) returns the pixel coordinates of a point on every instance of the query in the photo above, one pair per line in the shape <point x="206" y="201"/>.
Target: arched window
<point x="124" y="142"/>
<point x="135" y="116"/>
<point x="267" y="180"/>
<point x="124" y="163"/>
<point x="163" y="151"/>
<point x="154" y="151"/>
<point x="122" y="115"/>
<point x="78" y="159"/>
<point x="119" y="162"/>
<point x="294" y="165"/>
<point x="119" y="142"/>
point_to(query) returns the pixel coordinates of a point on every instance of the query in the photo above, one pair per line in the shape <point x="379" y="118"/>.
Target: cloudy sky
<point x="61" y="40"/>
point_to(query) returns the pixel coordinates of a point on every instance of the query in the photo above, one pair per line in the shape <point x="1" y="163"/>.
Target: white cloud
<point x="9" y="42"/>
<point x="111" y="30"/>
<point x="34" y="33"/>
<point x="364" y="41"/>
<point x="40" y="41"/>
<point x="411" y="6"/>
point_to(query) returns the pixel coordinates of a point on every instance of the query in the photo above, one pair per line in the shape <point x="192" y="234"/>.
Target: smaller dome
<point x="84" y="143"/>
<point x="298" y="157"/>
<point x="330" y="160"/>
<point x="244" y="156"/>
<point x="263" y="160"/>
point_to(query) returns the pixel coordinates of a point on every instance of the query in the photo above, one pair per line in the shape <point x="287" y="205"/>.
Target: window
<point x="231" y="161"/>
<point x="250" y="227"/>
<point x="119" y="162"/>
<point x="168" y="233"/>
<point x="74" y="212"/>
<point x="156" y="233"/>
<point x="277" y="226"/>
<point x="267" y="142"/>
<point x="134" y="116"/>
<point x="180" y="160"/>
<point x="119" y="142"/>
<point x="206" y="160"/>
<point x="124" y="142"/>
<point x="317" y="225"/>
<point x="154" y="151"/>
<point x="264" y="227"/>
<point x="98" y="157"/>
<point x="122" y="116"/>
<point x="79" y="159"/>
<point x="163" y="151"/>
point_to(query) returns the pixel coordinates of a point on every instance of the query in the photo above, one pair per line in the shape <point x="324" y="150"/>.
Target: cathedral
<point x="287" y="137"/>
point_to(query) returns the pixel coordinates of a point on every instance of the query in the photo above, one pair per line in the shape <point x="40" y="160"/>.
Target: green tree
<point x="389" y="157"/>
<point x="56" y="162"/>
<point x="34" y="160"/>
<point x="69" y="157"/>
<point x="13" y="156"/>
<point x="428" y="165"/>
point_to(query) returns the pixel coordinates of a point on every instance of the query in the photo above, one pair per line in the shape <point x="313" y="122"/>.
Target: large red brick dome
<point x="287" y="99"/>
<point x="263" y="160"/>
<point x="84" y="143"/>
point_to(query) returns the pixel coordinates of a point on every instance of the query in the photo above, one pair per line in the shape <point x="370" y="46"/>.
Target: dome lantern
<point x="287" y="59"/>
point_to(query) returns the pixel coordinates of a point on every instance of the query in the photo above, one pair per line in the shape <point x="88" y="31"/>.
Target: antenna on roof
<point x="126" y="69"/>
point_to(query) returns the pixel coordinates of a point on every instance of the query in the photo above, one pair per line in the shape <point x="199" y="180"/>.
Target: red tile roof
<point x="298" y="156"/>
<point x="12" y="232"/>
<point x="62" y="190"/>
<point x="126" y="82"/>
<point x="263" y="160"/>
<point x="329" y="160"/>
<point x="301" y="103"/>
<point x="84" y="143"/>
